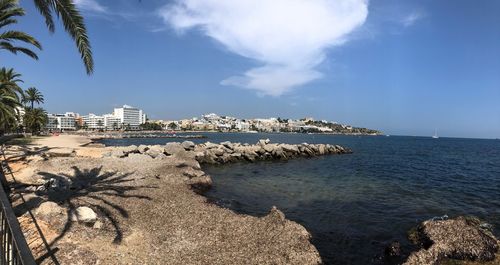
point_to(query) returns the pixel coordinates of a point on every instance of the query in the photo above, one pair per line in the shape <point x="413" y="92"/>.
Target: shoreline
<point x="238" y="238"/>
<point x="140" y="194"/>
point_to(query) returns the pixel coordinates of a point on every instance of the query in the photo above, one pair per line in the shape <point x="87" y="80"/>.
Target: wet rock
<point x="461" y="238"/>
<point x="84" y="214"/>
<point x="393" y="250"/>
<point x="188" y="145"/>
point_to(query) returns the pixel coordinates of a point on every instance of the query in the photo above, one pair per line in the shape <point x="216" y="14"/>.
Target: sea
<point x="355" y="205"/>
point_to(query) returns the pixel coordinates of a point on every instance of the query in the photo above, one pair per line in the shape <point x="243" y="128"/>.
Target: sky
<point x="403" y="67"/>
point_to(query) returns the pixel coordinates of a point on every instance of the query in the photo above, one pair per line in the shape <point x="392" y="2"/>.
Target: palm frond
<point x="44" y="7"/>
<point x="74" y="24"/>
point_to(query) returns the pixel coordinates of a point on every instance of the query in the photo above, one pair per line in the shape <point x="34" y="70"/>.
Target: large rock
<point x="61" y="152"/>
<point x="117" y="153"/>
<point x="155" y="151"/>
<point x="173" y="148"/>
<point x="227" y="144"/>
<point x="462" y="238"/>
<point x="139" y="157"/>
<point x="130" y="149"/>
<point x="142" y="148"/>
<point x="263" y="142"/>
<point x="200" y="184"/>
<point x="188" y="145"/>
<point x="84" y="214"/>
<point x="53" y="214"/>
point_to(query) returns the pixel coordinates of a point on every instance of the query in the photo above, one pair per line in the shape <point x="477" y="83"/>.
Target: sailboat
<point x="435" y="136"/>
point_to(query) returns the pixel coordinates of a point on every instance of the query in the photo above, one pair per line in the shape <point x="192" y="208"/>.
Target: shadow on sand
<point x="93" y="188"/>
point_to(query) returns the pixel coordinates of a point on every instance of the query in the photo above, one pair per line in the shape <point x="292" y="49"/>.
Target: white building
<point x="93" y="121"/>
<point x="129" y="116"/>
<point x="61" y="122"/>
<point x="242" y="125"/>
<point x="111" y="122"/>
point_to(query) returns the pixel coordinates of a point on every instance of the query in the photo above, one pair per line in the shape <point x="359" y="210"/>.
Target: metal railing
<point x="13" y="247"/>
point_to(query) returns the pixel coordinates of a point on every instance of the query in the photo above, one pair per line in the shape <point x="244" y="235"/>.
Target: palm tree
<point x="8" y="113"/>
<point x="32" y="96"/>
<point x="9" y="9"/>
<point x="35" y="119"/>
<point x="73" y="24"/>
<point x="9" y="97"/>
<point x="9" y="80"/>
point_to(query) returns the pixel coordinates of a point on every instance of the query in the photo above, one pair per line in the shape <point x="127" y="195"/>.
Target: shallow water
<point x="354" y="205"/>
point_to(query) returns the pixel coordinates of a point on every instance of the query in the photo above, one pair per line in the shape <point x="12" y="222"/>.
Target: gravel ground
<point x="147" y="214"/>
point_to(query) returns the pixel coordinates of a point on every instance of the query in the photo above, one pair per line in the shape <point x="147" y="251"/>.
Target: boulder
<point x="161" y="156"/>
<point x="461" y="238"/>
<point x="117" y="153"/>
<point x="263" y="142"/>
<point x="84" y="214"/>
<point x="193" y="173"/>
<point x="61" y="152"/>
<point x="210" y="145"/>
<point x="200" y="184"/>
<point x="227" y="144"/>
<point x="173" y="148"/>
<point x="130" y="149"/>
<point x="142" y="148"/>
<point x="136" y="157"/>
<point x="188" y="145"/>
<point x="322" y="149"/>
<point x="53" y="214"/>
<point x="218" y="151"/>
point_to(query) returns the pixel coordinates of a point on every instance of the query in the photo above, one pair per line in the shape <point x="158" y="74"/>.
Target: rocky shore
<point x="136" y="205"/>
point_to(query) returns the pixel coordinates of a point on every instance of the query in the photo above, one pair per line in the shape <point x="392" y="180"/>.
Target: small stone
<point x="84" y="214"/>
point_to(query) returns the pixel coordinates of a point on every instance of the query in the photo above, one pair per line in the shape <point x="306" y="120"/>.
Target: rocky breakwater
<point x="193" y="155"/>
<point x="227" y="152"/>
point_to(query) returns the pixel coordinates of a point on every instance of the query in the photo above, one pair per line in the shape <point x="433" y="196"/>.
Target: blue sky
<point x="404" y="67"/>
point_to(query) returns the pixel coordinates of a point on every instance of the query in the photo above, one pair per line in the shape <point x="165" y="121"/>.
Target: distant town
<point x="128" y="118"/>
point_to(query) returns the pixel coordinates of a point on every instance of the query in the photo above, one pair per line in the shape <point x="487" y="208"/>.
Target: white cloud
<point x="90" y="5"/>
<point x="288" y="37"/>
<point x="413" y="17"/>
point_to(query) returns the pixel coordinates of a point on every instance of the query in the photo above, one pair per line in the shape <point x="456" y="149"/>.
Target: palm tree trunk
<point x="32" y="103"/>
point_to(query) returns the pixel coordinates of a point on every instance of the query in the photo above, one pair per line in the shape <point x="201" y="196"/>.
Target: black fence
<point x="13" y="247"/>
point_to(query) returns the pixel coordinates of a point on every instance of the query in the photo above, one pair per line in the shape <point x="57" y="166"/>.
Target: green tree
<point x="100" y="124"/>
<point x="9" y="10"/>
<point x="32" y="96"/>
<point x="172" y="126"/>
<point x="9" y="98"/>
<point x="73" y="23"/>
<point x="35" y="119"/>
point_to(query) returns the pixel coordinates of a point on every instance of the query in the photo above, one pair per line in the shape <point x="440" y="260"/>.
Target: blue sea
<point x="354" y="205"/>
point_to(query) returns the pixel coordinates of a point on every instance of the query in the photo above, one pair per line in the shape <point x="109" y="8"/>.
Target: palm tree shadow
<point x="95" y="189"/>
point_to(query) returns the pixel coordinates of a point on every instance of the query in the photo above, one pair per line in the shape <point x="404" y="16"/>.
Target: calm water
<point x="354" y="205"/>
